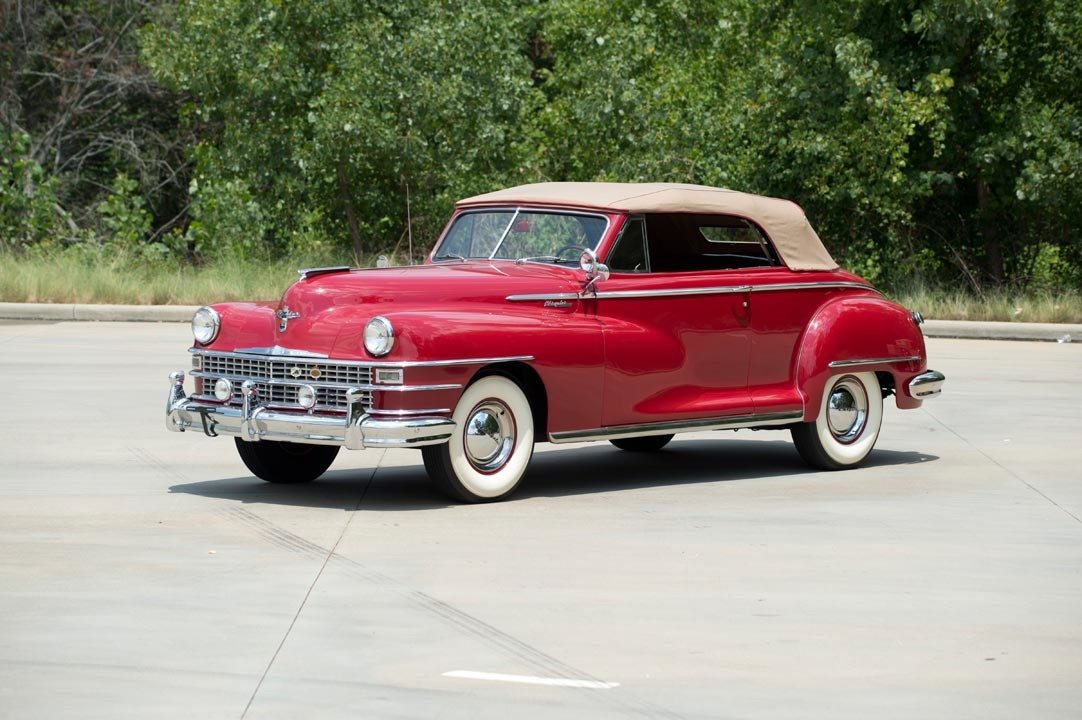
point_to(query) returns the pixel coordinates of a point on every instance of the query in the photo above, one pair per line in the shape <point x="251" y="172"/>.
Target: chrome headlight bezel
<point x="378" y="336"/>
<point x="205" y="325"/>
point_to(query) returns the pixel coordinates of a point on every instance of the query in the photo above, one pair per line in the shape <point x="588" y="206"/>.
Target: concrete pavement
<point x="146" y="574"/>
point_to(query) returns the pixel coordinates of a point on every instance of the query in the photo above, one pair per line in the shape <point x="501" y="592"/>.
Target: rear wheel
<point x="651" y="443"/>
<point x="491" y="445"/>
<point x="847" y="426"/>
<point x="286" y="462"/>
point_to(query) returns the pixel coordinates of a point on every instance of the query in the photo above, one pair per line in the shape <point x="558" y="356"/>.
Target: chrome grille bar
<point x="278" y="378"/>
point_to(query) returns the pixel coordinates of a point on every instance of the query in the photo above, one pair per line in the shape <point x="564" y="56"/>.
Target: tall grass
<point x="121" y="279"/>
<point x="1043" y="306"/>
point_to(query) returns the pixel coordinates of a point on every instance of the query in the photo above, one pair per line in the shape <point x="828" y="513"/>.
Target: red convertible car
<point x="561" y="312"/>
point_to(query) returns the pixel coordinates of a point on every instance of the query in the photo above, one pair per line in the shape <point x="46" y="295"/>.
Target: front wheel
<point x="286" y="462"/>
<point x="847" y="426"/>
<point x="491" y="445"/>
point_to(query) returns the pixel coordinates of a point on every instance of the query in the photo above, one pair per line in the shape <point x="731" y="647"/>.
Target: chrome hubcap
<point x="490" y="436"/>
<point x="847" y="410"/>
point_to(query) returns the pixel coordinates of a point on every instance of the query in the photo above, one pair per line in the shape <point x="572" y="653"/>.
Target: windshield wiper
<point x="538" y="258"/>
<point x="449" y="256"/>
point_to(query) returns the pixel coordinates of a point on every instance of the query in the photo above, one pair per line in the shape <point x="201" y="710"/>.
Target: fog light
<point x="306" y="396"/>
<point x="223" y="390"/>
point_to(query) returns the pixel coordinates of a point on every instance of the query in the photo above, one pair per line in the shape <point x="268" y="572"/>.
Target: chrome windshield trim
<point x="249" y="352"/>
<point x="516" y="209"/>
<point x="679" y="426"/>
<point x="873" y="361"/>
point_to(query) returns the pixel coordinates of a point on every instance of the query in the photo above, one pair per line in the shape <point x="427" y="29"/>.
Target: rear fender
<point x="864" y="328"/>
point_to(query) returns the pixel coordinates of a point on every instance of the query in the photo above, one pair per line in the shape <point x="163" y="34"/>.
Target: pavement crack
<point x="1003" y="467"/>
<point x="305" y="546"/>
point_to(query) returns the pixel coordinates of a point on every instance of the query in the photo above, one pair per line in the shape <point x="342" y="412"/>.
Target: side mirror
<point x="595" y="271"/>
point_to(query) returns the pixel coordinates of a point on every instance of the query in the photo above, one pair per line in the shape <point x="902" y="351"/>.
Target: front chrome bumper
<point x="253" y="422"/>
<point x="927" y="384"/>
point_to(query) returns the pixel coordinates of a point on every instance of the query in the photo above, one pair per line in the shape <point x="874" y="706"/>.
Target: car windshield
<point x="518" y="234"/>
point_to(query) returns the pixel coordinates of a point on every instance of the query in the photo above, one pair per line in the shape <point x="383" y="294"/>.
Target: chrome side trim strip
<point x="443" y="363"/>
<point x="679" y="426"/>
<point x="248" y="352"/>
<point x="721" y="290"/>
<point x="528" y="297"/>
<point x="813" y="286"/>
<point x="873" y="361"/>
<point x="677" y="292"/>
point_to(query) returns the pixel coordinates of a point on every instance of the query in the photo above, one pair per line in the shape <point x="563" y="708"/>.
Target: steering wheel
<point x="579" y="249"/>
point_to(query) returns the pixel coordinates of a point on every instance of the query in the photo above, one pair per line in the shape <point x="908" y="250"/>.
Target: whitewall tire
<point x="491" y="445"/>
<point x="847" y="425"/>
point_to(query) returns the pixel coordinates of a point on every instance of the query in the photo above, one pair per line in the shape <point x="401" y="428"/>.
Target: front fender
<point x="565" y="350"/>
<point x="864" y="328"/>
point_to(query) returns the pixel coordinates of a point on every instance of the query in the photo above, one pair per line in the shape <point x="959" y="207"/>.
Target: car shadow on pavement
<point x="553" y="472"/>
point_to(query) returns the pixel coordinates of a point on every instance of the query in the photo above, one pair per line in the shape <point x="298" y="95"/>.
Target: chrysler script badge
<point x="284" y="316"/>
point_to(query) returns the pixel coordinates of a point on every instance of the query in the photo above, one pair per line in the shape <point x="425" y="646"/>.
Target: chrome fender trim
<point x="873" y="361"/>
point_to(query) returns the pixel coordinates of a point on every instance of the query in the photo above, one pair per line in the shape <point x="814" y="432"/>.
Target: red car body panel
<point x="752" y="341"/>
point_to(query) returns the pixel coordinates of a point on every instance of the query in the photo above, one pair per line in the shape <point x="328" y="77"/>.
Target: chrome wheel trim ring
<point x="847" y="410"/>
<point x="489" y="437"/>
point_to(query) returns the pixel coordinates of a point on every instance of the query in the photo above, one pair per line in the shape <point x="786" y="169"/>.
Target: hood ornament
<point x="284" y="316"/>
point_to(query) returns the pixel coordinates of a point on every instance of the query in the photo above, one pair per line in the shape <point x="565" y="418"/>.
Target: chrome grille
<point x="278" y="378"/>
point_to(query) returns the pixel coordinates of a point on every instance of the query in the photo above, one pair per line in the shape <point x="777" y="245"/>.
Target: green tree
<point x="330" y="110"/>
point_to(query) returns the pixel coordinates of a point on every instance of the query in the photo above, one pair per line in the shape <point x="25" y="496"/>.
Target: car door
<point x="676" y="340"/>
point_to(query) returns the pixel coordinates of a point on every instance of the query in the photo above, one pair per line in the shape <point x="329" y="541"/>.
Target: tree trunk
<point x="993" y="251"/>
<point x="351" y="216"/>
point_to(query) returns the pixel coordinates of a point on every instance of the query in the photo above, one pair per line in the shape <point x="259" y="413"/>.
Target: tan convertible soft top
<point x="800" y="248"/>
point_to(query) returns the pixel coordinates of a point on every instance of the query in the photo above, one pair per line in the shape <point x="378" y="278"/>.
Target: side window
<point x="687" y="243"/>
<point x="629" y="254"/>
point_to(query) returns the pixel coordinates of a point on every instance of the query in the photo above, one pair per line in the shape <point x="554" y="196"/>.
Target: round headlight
<point x="306" y="396"/>
<point x="223" y="390"/>
<point x="205" y="325"/>
<point x="378" y="336"/>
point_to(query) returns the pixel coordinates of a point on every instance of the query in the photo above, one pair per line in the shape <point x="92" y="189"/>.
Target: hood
<point x="325" y="304"/>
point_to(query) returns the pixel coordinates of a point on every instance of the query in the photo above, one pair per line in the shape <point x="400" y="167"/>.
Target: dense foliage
<point x="937" y="141"/>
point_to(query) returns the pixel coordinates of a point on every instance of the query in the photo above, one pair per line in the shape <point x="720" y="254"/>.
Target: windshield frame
<point x="515" y="211"/>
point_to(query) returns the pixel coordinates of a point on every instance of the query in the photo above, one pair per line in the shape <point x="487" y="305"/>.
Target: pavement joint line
<point x="304" y="601"/>
<point x="1001" y="466"/>
<point x="531" y="680"/>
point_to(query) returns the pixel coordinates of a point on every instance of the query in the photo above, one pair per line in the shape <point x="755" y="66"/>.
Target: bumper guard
<point x="927" y="384"/>
<point x="254" y="422"/>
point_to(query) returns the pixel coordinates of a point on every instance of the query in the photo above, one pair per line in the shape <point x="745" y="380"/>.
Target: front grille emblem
<point x="315" y="373"/>
<point x="296" y="371"/>
<point x="284" y="316"/>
